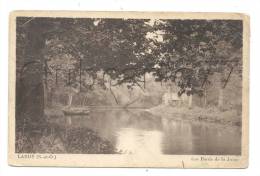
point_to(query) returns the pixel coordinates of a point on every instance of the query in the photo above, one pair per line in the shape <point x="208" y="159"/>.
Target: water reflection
<point x="200" y="138"/>
<point x="136" y="141"/>
<point x="178" y="138"/>
<point x="137" y="132"/>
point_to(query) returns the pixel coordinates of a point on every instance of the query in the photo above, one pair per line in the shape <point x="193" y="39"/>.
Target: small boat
<point x="75" y="111"/>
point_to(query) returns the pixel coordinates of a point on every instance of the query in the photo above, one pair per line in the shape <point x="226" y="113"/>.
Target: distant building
<point x="172" y="98"/>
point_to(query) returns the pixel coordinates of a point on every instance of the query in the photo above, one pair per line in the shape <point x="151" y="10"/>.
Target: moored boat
<point x="75" y="111"/>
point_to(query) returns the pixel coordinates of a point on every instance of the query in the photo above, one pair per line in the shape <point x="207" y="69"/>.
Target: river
<point x="138" y="132"/>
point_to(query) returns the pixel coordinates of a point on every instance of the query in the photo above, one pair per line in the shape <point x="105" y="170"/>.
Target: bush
<point x="57" y="139"/>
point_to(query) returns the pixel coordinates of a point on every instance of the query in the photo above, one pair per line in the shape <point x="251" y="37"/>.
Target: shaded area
<point x="59" y="140"/>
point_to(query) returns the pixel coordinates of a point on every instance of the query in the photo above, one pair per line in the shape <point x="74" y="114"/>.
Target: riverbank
<point x="59" y="140"/>
<point x="211" y="114"/>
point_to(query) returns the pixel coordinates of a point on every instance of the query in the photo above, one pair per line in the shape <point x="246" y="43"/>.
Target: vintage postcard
<point x="128" y="89"/>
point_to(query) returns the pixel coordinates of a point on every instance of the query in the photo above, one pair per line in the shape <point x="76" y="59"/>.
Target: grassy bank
<point x="58" y="140"/>
<point x="210" y="114"/>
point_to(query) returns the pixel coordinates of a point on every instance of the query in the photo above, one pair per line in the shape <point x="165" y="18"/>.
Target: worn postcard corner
<point x="128" y="89"/>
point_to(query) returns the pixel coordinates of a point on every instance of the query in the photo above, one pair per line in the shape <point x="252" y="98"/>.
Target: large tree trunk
<point x="30" y="88"/>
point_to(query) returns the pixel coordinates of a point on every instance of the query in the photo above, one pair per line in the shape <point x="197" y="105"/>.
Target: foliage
<point x="195" y="49"/>
<point x="184" y="51"/>
<point x="83" y="140"/>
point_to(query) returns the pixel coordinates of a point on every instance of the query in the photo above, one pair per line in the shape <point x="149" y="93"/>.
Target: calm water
<point x="137" y="132"/>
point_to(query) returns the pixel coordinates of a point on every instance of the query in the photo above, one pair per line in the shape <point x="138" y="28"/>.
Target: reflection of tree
<point x="178" y="137"/>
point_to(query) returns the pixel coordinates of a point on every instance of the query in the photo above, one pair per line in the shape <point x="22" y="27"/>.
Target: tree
<point x="31" y="35"/>
<point x="182" y="51"/>
<point x="191" y="48"/>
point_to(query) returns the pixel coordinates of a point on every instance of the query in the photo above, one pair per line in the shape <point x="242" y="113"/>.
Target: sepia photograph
<point x="114" y="89"/>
